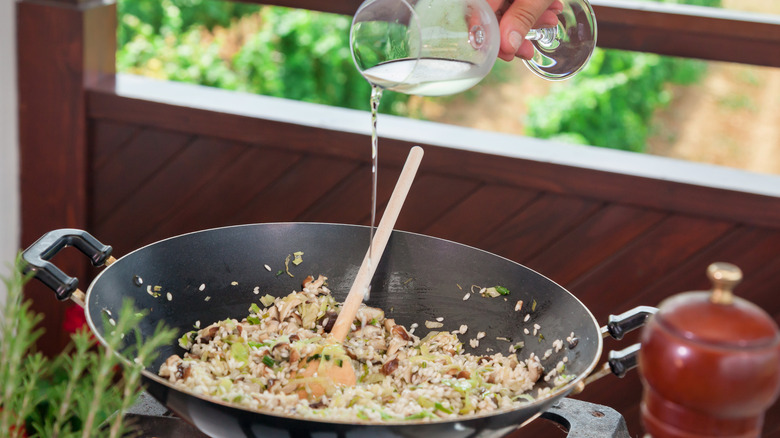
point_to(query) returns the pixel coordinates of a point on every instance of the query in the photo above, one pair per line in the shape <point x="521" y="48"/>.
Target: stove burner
<point x="581" y="419"/>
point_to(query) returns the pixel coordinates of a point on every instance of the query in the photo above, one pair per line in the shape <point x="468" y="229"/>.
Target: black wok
<point x="419" y="278"/>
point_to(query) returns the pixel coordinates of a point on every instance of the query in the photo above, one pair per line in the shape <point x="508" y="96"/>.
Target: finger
<point x="526" y="50"/>
<point x="517" y="21"/>
<point x="495" y="4"/>
<point x="549" y="18"/>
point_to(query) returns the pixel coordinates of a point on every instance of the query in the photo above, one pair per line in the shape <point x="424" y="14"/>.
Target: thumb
<point x="517" y="21"/>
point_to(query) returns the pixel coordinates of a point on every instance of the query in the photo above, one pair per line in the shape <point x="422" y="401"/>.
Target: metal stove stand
<point x="581" y="420"/>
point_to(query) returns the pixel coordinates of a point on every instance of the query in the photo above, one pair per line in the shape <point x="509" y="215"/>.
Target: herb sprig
<point x="77" y="393"/>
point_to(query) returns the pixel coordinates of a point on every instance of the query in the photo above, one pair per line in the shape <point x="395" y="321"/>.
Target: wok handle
<point x="623" y="361"/>
<point x="618" y="325"/>
<point x="37" y="257"/>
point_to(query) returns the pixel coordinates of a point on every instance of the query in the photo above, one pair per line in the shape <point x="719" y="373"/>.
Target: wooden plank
<point x="55" y="58"/>
<point x="477" y="215"/>
<point x="750" y="248"/>
<point x="762" y="289"/>
<point x="664" y="192"/>
<point x="228" y="192"/>
<point x="130" y="167"/>
<point x="594" y="241"/>
<point x="611" y="286"/>
<point x="772" y="421"/>
<point x="349" y="201"/>
<point x="430" y="197"/>
<point x="106" y="138"/>
<point x="534" y="227"/>
<point x="689" y="31"/>
<point x="296" y="190"/>
<point x="171" y="187"/>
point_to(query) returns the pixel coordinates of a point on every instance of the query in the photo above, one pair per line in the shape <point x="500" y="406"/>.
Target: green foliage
<point x="165" y="16"/>
<point x="305" y="55"/>
<point x="76" y="393"/>
<point x="612" y="101"/>
<point x="297" y="54"/>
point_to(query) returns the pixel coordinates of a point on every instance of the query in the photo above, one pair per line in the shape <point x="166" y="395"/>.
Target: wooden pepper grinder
<point x="710" y="363"/>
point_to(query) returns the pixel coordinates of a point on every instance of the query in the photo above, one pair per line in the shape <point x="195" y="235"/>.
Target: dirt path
<point x="731" y="118"/>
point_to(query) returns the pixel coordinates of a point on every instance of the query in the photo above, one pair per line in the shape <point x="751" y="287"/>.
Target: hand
<point x="516" y="18"/>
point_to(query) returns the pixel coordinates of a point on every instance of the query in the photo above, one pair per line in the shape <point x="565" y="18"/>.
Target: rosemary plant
<point x="77" y="393"/>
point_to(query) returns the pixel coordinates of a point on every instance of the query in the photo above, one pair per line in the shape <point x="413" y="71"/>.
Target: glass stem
<point x="545" y="36"/>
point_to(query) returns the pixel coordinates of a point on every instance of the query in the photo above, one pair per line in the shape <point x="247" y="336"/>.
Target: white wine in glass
<point x="439" y="47"/>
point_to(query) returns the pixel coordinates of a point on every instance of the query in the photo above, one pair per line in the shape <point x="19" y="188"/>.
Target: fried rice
<point x="256" y="363"/>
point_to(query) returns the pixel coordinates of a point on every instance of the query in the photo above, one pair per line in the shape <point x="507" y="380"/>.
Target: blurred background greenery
<point x="304" y="55"/>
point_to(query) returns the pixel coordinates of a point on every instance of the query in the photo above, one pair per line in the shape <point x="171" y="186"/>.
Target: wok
<point x="419" y="278"/>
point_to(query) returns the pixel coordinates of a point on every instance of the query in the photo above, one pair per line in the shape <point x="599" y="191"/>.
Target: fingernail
<point x="515" y="39"/>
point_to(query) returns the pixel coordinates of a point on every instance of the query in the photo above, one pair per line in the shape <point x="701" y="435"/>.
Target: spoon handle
<point x="381" y="236"/>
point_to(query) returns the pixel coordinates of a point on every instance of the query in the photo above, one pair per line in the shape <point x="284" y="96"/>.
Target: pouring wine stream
<point x="342" y="373"/>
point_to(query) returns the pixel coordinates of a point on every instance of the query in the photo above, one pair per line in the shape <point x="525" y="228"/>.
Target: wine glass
<point x="560" y="52"/>
<point x="438" y="47"/>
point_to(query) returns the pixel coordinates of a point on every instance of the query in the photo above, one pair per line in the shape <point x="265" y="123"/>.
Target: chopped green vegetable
<point x="365" y="373"/>
<point x="239" y="352"/>
<point x="502" y="290"/>
<point x="225" y="384"/>
<point x="519" y="346"/>
<point x="425" y="402"/>
<point x="327" y="357"/>
<point x="339" y="363"/>
<point x="267" y="300"/>
<point x="439" y="407"/>
<point x="186" y="340"/>
<point x="419" y="416"/>
<point x="253" y="320"/>
<point x="492" y="292"/>
<point x="254" y="308"/>
<point x="257" y="344"/>
<point x="309" y="312"/>
<point x="269" y="361"/>
<point x="533" y="306"/>
<point x="279" y="272"/>
<point x="362" y="415"/>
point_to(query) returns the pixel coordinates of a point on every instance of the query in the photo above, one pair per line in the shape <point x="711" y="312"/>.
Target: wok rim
<point x="539" y="403"/>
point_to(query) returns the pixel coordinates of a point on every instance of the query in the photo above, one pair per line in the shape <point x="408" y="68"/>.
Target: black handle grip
<point x="37" y="257"/>
<point x="623" y="361"/>
<point x="618" y="325"/>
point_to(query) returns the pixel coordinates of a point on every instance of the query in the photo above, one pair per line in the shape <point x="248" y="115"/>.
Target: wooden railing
<point x="135" y="160"/>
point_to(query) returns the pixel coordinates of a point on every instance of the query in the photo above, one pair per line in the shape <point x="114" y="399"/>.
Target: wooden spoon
<point x="341" y="372"/>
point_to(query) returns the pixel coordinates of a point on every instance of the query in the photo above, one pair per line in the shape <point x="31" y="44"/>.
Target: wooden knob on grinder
<point x="710" y="363"/>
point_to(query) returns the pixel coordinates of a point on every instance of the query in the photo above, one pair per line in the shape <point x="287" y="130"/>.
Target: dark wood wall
<point x="133" y="170"/>
<point x="615" y="241"/>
